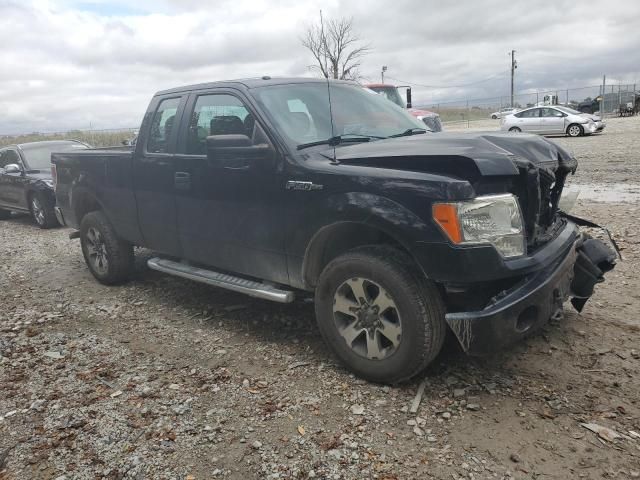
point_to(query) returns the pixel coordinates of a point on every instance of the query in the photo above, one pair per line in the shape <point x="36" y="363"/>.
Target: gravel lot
<point x="164" y="378"/>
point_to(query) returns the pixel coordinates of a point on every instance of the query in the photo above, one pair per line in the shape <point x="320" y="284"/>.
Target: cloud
<point x="70" y="64"/>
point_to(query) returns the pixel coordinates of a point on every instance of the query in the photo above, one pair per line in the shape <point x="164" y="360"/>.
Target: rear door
<point x="153" y="171"/>
<point x="229" y="204"/>
<point x="529" y="120"/>
<point x="551" y="121"/>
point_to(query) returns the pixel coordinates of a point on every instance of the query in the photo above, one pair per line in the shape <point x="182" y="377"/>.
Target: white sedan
<point x="503" y="112"/>
<point x="552" y="120"/>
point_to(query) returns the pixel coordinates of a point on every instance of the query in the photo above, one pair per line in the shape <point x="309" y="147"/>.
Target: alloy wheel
<point x="367" y="318"/>
<point x="574" y="130"/>
<point x="97" y="251"/>
<point x="38" y="211"/>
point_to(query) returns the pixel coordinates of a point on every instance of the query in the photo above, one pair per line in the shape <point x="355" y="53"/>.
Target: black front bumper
<point x="533" y="301"/>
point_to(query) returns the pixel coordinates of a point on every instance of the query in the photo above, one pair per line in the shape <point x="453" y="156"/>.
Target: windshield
<point x="38" y="156"/>
<point x="301" y="112"/>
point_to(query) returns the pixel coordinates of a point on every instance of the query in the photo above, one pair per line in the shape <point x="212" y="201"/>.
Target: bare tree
<point x="336" y="48"/>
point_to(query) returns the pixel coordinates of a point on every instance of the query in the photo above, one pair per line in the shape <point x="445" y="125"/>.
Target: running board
<point x="222" y="280"/>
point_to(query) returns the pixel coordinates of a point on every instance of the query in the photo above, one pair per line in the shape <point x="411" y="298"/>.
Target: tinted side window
<point x="551" y="112"/>
<point x="529" y="113"/>
<point x="217" y="114"/>
<point x="162" y="125"/>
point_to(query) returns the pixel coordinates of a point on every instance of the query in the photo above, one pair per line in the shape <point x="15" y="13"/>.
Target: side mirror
<point x="409" y="97"/>
<point x="12" y="168"/>
<point x="216" y="142"/>
<point x="237" y="152"/>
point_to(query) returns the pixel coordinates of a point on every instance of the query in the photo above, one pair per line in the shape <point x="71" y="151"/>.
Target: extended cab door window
<point x="162" y="126"/>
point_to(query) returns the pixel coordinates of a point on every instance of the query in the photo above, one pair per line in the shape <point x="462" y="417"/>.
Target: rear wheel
<point x="381" y="317"/>
<point x="109" y="258"/>
<point x="495" y="117"/>
<point x="515" y="130"/>
<point x="575" y="130"/>
<point x="42" y="210"/>
<point x="5" y="214"/>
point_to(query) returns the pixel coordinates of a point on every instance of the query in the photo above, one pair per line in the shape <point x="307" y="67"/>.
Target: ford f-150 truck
<point x="274" y="187"/>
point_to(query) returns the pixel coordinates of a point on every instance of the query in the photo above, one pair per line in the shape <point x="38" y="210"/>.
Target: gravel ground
<point x="163" y="378"/>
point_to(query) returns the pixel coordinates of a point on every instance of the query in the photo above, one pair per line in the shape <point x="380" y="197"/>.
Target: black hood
<point x="465" y="155"/>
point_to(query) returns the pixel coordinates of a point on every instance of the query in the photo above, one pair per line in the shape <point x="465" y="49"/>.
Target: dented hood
<point x="490" y="153"/>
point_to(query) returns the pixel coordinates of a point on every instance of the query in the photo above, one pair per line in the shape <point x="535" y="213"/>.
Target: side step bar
<point x="223" y="280"/>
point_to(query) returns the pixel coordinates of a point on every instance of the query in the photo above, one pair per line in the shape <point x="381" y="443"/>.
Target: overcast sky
<point x="70" y="64"/>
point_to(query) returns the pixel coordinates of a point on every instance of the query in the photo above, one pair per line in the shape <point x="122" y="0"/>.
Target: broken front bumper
<point x="515" y="313"/>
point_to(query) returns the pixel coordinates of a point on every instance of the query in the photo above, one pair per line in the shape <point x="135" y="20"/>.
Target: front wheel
<point x="515" y="130"/>
<point x="109" y="258"/>
<point x="42" y="211"/>
<point x="575" y="130"/>
<point x="494" y="117"/>
<point x="380" y="316"/>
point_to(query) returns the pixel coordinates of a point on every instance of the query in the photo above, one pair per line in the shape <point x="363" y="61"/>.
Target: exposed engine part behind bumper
<point x="533" y="301"/>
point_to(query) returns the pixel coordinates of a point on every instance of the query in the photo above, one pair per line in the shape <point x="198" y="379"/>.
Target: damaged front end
<point x="514" y="313"/>
<point x="517" y="306"/>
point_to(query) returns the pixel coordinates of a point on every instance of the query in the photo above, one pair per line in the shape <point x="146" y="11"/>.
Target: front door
<point x="551" y="121"/>
<point x="229" y="205"/>
<point x="154" y="179"/>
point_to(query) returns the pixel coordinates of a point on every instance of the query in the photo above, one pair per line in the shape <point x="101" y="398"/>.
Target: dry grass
<point x="105" y="138"/>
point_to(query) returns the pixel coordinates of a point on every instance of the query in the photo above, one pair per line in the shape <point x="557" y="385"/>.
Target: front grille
<point x="539" y="192"/>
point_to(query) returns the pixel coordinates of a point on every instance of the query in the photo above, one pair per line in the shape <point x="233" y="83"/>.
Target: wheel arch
<point x="337" y="238"/>
<point x="84" y="202"/>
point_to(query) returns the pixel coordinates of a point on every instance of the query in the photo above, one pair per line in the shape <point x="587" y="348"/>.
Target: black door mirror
<point x="409" y="97"/>
<point x="12" y="168"/>
<point x="237" y="152"/>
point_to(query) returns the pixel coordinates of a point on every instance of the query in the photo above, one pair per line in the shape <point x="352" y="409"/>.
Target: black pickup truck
<point x="276" y="186"/>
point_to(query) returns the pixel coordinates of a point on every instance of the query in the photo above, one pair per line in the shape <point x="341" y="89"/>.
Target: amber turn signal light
<point x="446" y="216"/>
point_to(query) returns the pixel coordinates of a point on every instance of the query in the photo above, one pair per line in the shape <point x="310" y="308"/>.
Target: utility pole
<point x="384" y="69"/>
<point x="514" y="65"/>
<point x="604" y="82"/>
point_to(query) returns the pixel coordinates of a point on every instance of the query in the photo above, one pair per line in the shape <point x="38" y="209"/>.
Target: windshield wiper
<point x="336" y="140"/>
<point x="409" y="132"/>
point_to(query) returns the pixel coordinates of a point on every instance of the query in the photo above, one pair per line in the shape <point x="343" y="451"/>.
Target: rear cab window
<point x="163" y="124"/>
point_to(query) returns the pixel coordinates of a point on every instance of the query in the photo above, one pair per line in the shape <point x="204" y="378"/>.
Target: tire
<point x="575" y="130"/>
<point x="109" y="258"/>
<point x="494" y="117"/>
<point x="413" y="312"/>
<point x="41" y="208"/>
<point x="515" y="130"/>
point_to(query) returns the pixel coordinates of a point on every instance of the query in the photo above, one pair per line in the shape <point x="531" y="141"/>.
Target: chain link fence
<point x="586" y="99"/>
<point x="96" y="138"/>
<point x="616" y="98"/>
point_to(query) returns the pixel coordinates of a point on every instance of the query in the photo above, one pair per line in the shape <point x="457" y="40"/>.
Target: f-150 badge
<point x="306" y="186"/>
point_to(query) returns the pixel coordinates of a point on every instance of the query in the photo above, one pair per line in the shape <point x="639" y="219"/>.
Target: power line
<point x="414" y="84"/>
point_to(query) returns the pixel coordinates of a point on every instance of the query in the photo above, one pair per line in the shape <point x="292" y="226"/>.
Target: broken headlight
<point x="493" y="219"/>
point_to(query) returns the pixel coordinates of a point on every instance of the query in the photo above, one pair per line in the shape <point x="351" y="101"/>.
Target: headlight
<point x="492" y="219"/>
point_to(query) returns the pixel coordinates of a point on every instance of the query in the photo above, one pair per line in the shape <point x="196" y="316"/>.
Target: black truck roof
<point x="247" y="83"/>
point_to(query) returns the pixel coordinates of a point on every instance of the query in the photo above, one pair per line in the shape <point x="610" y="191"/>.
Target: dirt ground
<point x="164" y="378"/>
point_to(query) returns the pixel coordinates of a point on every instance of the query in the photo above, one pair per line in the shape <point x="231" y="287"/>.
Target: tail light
<point x="54" y="175"/>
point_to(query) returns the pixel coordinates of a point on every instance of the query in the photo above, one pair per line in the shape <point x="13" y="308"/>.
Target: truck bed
<point x="108" y="174"/>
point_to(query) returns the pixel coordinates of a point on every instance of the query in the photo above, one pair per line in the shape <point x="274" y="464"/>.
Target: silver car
<point x="552" y="120"/>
